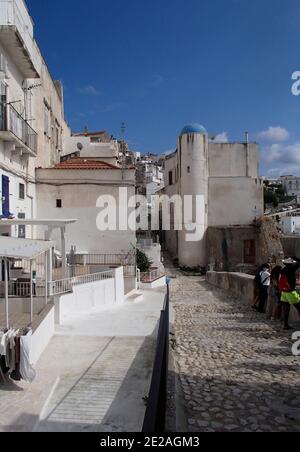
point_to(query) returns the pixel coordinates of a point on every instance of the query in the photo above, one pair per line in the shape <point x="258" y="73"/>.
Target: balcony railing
<point x="66" y="285"/>
<point x="13" y="122"/>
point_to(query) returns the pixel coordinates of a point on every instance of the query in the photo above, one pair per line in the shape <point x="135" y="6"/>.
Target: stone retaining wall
<point x="239" y="284"/>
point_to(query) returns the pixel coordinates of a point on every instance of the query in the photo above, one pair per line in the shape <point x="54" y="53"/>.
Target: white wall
<point x="291" y="225"/>
<point x="230" y="160"/>
<point x="79" y="192"/>
<point x="93" y="296"/>
<point x="232" y="201"/>
<point x="42" y="335"/>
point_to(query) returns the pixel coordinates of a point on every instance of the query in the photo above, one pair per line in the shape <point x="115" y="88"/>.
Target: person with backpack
<point x="287" y="286"/>
<point x="264" y="281"/>
<point x="256" y="288"/>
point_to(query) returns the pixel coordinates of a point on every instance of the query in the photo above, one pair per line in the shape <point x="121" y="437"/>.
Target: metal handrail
<point x="154" y="421"/>
<point x="66" y="285"/>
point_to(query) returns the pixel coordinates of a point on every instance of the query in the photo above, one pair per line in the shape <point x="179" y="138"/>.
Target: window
<point x="21" y="191"/>
<point x="21" y="228"/>
<point x="249" y="252"/>
<point x="189" y="170"/>
<point x="170" y="177"/>
<point x="58" y="203"/>
<point x="47" y="131"/>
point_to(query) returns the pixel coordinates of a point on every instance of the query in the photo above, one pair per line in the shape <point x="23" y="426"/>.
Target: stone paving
<point x="234" y="370"/>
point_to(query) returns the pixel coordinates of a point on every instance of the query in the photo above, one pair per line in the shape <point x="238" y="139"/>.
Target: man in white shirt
<point x="265" y="282"/>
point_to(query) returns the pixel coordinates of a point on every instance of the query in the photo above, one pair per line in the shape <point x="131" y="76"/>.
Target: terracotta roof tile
<point x="84" y="164"/>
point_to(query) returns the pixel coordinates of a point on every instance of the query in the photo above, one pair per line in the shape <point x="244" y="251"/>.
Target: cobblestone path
<point x="235" y="370"/>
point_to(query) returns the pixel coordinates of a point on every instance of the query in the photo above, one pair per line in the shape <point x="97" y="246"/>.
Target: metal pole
<point x="31" y="293"/>
<point x="63" y="251"/>
<point x="6" y="292"/>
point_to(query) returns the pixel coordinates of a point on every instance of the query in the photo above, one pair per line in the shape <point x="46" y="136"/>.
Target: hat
<point x="289" y="261"/>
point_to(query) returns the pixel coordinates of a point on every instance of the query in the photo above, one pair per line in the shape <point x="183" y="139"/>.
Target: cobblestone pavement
<point x="235" y="370"/>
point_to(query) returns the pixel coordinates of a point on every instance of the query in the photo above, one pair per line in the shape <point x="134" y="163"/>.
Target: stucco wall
<point x="230" y="160"/>
<point x="232" y="201"/>
<point x="291" y="246"/>
<point x="237" y="283"/>
<point x="79" y="192"/>
<point x="93" y="296"/>
<point x="226" y="246"/>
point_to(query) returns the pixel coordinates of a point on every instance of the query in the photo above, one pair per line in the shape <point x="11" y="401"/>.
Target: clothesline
<point x="15" y="354"/>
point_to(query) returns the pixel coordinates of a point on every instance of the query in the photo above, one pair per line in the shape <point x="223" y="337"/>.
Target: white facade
<point x="32" y="125"/>
<point x="290" y="225"/>
<point x="83" y="146"/>
<point x="78" y="191"/>
<point x="291" y="185"/>
<point x="224" y="177"/>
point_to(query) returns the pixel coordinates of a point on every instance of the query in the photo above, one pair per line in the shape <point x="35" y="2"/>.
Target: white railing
<point x="152" y="275"/>
<point x="66" y="285"/>
<point x="22" y="289"/>
<point x="103" y="259"/>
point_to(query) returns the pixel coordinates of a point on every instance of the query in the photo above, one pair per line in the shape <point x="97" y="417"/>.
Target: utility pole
<point x="123" y="148"/>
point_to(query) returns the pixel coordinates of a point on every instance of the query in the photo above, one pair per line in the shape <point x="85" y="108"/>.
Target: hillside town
<point x="161" y="284"/>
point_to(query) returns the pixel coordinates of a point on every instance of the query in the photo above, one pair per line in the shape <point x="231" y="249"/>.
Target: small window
<point x="189" y="170"/>
<point x="21" y="227"/>
<point x="58" y="203"/>
<point x="170" y="177"/>
<point x="21" y="191"/>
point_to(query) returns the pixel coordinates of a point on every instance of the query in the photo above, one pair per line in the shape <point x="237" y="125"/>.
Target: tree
<point x="271" y="198"/>
<point x="142" y="261"/>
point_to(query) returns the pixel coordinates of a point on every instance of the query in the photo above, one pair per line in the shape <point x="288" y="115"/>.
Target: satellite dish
<point x="80" y="146"/>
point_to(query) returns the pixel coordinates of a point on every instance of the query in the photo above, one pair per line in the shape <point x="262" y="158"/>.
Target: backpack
<point x="258" y="283"/>
<point x="284" y="285"/>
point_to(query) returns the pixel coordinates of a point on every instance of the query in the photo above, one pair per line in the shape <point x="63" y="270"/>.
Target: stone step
<point x="135" y="297"/>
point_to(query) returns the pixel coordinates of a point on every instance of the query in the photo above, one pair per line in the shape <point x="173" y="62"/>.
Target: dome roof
<point x="193" y="128"/>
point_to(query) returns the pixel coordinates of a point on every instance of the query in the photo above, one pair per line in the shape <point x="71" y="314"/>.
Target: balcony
<point x="16" y="36"/>
<point x="14" y="129"/>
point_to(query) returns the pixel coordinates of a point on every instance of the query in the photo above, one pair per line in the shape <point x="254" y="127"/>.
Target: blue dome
<point x="193" y="128"/>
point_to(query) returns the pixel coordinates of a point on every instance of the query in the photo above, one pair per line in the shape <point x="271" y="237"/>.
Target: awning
<point x="15" y="248"/>
<point x="38" y="222"/>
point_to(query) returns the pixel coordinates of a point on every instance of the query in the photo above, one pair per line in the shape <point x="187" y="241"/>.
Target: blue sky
<point x="160" y="64"/>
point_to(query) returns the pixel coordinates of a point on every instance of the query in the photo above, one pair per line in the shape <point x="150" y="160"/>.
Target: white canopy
<point x="38" y="222"/>
<point x="15" y="248"/>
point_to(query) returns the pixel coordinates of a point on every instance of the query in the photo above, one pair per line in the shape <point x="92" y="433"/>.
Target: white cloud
<point x="90" y="89"/>
<point x="275" y="134"/>
<point x="282" y="159"/>
<point x="221" y="138"/>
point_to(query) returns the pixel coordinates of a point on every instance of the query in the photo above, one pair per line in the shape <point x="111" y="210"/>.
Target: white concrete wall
<point x="22" y="305"/>
<point x="79" y="191"/>
<point x="230" y="160"/>
<point x="108" y="152"/>
<point x="232" y="201"/>
<point x="42" y="336"/>
<point x="89" y="297"/>
<point x="290" y="225"/>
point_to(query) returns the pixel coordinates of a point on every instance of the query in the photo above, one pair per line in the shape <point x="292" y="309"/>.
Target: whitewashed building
<point x="290" y="225"/>
<point x="32" y="125"/>
<point x="225" y="176"/>
<point x="291" y="185"/>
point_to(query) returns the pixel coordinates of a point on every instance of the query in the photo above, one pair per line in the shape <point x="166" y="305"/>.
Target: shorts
<point x="290" y="297"/>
